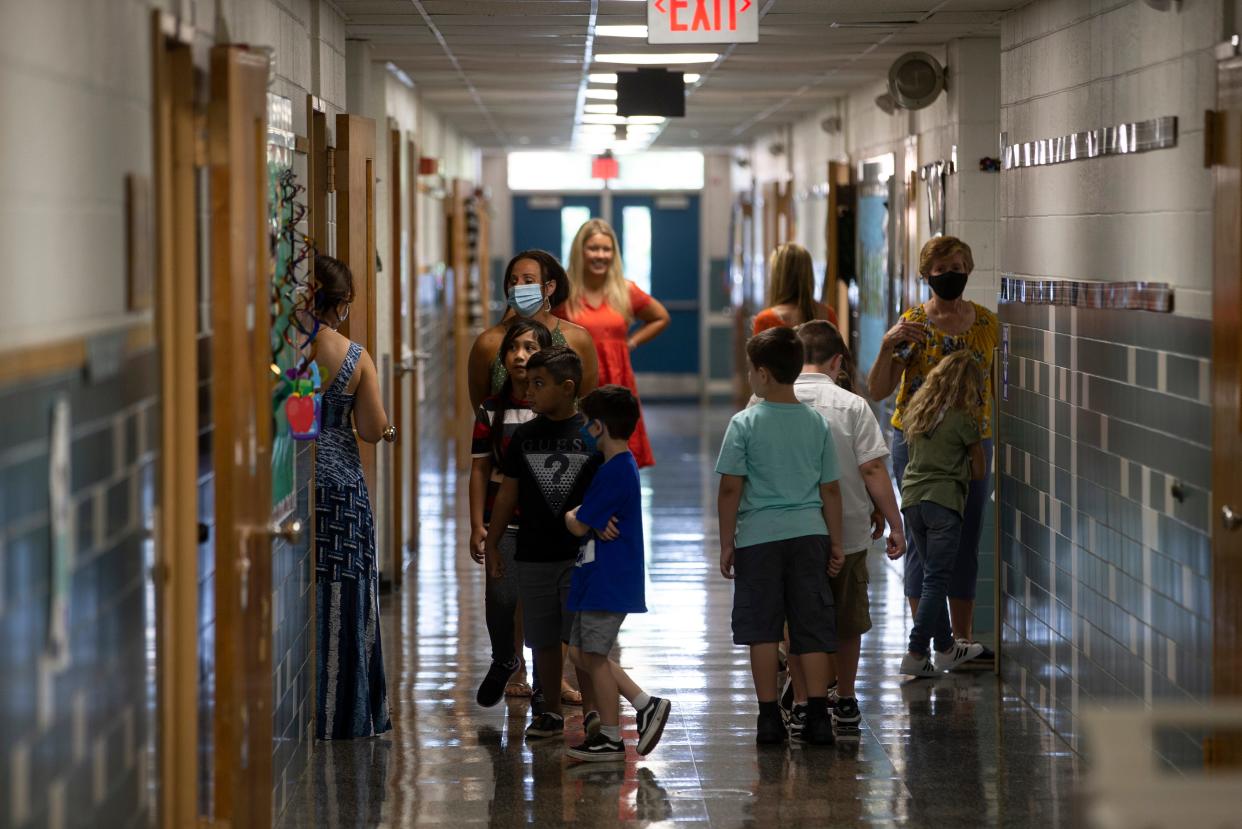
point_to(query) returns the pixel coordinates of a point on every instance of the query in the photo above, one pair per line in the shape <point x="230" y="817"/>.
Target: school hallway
<point x="960" y="750"/>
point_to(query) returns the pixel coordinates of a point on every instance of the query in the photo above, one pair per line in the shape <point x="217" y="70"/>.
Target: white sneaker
<point x="912" y="665"/>
<point x="962" y="651"/>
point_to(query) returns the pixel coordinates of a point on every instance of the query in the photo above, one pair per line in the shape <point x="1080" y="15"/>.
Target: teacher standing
<point x="608" y="305"/>
<point x="926" y="334"/>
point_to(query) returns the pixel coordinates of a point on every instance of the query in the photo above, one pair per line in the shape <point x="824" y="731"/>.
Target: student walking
<point x="608" y="580"/>
<point x="780" y="531"/>
<point x="946" y="453"/>
<point x="865" y="484"/>
<point x="547" y="468"/>
<point x="498" y="418"/>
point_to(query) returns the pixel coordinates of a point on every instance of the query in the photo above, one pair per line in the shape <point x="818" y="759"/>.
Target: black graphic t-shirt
<point x="553" y="469"/>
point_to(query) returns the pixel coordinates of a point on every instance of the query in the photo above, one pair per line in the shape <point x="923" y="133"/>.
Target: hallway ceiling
<point x="511" y="73"/>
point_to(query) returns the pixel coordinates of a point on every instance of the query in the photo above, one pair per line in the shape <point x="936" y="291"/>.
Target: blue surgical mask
<point x="526" y="299"/>
<point x="589" y="440"/>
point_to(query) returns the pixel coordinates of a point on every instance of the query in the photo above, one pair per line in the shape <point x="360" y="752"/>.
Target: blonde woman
<point x="608" y="305"/>
<point x="791" y="291"/>
<point x="946" y="454"/>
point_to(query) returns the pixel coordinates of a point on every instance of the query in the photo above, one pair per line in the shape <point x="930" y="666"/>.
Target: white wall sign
<point x="702" y="21"/>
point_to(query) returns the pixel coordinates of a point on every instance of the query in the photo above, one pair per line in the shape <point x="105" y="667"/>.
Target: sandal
<point x="518" y="689"/>
<point x="570" y="696"/>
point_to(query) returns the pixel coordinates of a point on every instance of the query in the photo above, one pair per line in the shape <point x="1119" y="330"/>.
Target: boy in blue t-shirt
<point x="780" y="531"/>
<point x="608" y="580"/>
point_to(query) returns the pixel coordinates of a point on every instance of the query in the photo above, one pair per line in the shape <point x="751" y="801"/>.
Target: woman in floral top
<point x="925" y="335"/>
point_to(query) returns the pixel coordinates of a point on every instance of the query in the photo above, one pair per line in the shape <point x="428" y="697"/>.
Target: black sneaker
<point x="786" y="699"/>
<point x="492" y="689"/>
<point x="651" y="720"/>
<point x="591" y="723"/>
<point x="796" y="723"/>
<point x="818" y="729"/>
<point x="833" y="696"/>
<point x="546" y="724"/>
<point x="769" y="730"/>
<point x="597" y="749"/>
<point x="847" y="719"/>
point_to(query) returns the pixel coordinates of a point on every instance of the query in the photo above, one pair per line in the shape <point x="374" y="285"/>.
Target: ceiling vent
<point x="915" y="80"/>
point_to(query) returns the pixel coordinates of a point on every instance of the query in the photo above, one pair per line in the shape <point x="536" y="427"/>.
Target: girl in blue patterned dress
<point x="352" y="700"/>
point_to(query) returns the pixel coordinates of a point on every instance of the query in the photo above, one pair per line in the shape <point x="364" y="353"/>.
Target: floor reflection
<point x="956" y="749"/>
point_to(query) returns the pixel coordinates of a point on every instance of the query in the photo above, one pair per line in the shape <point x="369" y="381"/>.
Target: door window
<point x="636" y="247"/>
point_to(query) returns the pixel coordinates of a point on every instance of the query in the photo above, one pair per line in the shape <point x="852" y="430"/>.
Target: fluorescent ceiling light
<point x="602" y="129"/>
<point x="646" y="119"/>
<point x="692" y="77"/>
<point x="602" y="77"/>
<point x="602" y="94"/>
<point x="621" y="31"/>
<point x="601" y="109"/>
<point x="643" y="129"/>
<point x="651" y="59"/>
<point x="617" y="119"/>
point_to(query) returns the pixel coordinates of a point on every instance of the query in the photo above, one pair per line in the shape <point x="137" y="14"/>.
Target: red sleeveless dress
<point x="608" y="328"/>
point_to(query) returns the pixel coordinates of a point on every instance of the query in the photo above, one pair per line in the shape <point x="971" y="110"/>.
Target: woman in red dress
<point x="607" y="305"/>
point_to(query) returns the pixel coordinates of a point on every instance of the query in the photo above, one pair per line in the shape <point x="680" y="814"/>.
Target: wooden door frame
<point x="396" y="257"/>
<point x="174" y="146"/>
<point x="417" y="360"/>
<point x="1224" y="154"/>
<point x="462" y="425"/>
<point x="243" y="436"/>
<point x="355" y="241"/>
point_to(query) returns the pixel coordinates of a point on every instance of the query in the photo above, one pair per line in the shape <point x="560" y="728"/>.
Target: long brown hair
<point x="791" y="280"/>
<point x="955" y="383"/>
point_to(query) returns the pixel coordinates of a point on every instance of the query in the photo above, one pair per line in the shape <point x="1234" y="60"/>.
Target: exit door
<point x="659" y="237"/>
<point x="550" y="222"/>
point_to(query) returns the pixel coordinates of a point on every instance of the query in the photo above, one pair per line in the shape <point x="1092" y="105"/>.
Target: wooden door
<point x="242" y="410"/>
<point x="355" y="239"/>
<point x="413" y="358"/>
<point x="399" y="234"/>
<point x="176" y="581"/>
<point x="1225" y="149"/>
<point x="459" y="262"/>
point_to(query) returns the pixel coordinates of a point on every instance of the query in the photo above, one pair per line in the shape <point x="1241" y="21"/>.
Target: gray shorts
<point x="595" y="631"/>
<point x="784" y="580"/>
<point x="543" y="588"/>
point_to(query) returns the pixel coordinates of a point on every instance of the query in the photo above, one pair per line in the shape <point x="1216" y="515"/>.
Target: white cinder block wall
<point x="1069" y="66"/>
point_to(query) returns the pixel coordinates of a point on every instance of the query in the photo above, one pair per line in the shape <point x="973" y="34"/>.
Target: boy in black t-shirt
<point x="547" y="468"/>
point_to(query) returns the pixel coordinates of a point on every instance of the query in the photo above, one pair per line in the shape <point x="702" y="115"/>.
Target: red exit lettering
<point x="721" y="17"/>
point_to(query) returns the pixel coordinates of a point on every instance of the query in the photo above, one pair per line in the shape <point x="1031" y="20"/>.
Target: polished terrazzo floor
<point x="956" y="751"/>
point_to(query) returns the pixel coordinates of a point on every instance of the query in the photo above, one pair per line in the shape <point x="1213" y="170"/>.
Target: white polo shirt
<point x="857" y="437"/>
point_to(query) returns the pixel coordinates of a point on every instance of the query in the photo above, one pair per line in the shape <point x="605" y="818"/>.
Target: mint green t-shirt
<point x="785" y="451"/>
<point x="939" y="468"/>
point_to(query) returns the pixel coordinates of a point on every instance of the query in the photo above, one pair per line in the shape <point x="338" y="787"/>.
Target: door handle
<point x="411" y="363"/>
<point x="291" y="530"/>
<point x="1230" y="518"/>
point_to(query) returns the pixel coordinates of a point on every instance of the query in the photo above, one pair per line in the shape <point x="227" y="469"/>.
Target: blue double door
<point x="659" y="238"/>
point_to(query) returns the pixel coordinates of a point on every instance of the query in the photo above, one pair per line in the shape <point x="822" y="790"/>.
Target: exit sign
<point x="702" y="21"/>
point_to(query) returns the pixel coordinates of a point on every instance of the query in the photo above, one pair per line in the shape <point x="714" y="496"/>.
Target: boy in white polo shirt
<point x="864" y="481"/>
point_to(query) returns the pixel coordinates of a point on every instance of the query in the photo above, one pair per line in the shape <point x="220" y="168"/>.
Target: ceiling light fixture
<point x="602" y="94"/>
<point x="652" y="59"/>
<point x="602" y="77"/>
<point x="601" y="109"/>
<point x="692" y="77"/>
<point x="621" y="31"/>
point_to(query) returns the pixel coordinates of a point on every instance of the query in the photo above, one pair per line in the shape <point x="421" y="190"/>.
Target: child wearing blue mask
<point x="608" y="580"/>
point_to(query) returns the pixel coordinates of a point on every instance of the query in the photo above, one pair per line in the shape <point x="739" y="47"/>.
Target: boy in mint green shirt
<point x="780" y="531"/>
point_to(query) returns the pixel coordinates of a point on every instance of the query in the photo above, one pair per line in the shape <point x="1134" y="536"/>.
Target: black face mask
<point x="949" y="285"/>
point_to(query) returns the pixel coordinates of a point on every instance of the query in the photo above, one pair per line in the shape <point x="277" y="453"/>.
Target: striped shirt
<point x="517" y="412"/>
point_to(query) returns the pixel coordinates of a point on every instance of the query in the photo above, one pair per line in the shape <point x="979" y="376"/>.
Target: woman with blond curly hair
<point x="608" y="305"/>
<point x="925" y="335"/>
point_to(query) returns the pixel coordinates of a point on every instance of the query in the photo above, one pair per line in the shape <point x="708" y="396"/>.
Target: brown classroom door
<point x="355" y="239"/>
<point x="398" y="173"/>
<point x="1225" y="145"/>
<point x="242" y="456"/>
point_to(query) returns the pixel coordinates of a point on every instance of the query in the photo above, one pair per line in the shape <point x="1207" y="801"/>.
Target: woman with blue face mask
<point x="534" y="283"/>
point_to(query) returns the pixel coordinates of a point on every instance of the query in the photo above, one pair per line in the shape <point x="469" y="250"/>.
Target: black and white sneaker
<point x="786" y="699"/>
<point x="591" y="724"/>
<point x="651" y="720"/>
<point x="492" y="688"/>
<point x="833" y="696"/>
<point x="597" y="749"/>
<point x="847" y="719"/>
<point x="796" y="723"/>
<point x="962" y="651"/>
<point x="913" y="665"/>
<point x="546" y="724"/>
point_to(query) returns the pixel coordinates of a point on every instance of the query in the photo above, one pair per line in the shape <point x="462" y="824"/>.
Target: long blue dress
<point x="352" y="700"/>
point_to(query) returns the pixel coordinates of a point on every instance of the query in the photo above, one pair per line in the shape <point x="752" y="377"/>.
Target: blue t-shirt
<point x="609" y="575"/>
<point x="785" y="451"/>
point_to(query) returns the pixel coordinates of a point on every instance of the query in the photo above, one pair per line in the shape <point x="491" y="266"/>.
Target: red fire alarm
<point x="428" y="166"/>
<point x="605" y="166"/>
